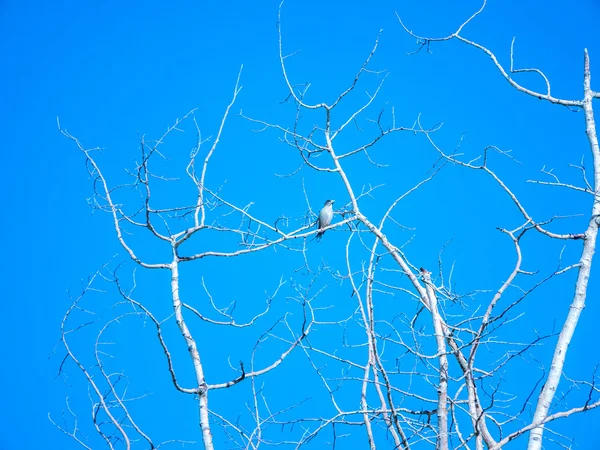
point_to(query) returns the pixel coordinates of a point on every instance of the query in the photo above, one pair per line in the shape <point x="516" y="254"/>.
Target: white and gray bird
<point x="325" y="217"/>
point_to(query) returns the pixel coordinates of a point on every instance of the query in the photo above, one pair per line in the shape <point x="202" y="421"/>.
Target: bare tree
<point x="551" y="382"/>
<point x="405" y="368"/>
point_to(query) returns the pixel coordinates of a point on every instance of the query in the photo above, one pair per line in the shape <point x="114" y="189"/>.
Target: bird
<point x="325" y="216"/>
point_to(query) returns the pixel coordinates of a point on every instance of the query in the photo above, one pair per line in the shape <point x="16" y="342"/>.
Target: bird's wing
<point x="325" y="217"/>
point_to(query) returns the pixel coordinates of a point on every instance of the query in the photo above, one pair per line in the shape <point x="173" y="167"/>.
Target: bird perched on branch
<point x="325" y="216"/>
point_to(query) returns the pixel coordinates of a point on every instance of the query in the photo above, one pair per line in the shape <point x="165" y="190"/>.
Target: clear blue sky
<point x="115" y="70"/>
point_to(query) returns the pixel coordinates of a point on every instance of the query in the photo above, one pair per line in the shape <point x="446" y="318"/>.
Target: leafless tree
<point x="404" y="373"/>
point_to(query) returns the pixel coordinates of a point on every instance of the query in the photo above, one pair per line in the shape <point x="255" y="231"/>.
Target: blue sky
<point x="112" y="72"/>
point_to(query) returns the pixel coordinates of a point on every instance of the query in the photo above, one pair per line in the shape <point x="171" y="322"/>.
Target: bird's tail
<point x="319" y="234"/>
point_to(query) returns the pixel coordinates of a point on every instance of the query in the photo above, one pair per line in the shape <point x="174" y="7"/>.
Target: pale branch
<point x="176" y="441"/>
<point x="112" y="206"/>
<point x="299" y="99"/>
<point x="557" y="182"/>
<point x="506" y="189"/>
<point x="565" y="185"/>
<point x="110" y="384"/>
<point x="231" y="322"/>
<point x="497" y="296"/>
<point x="90" y="380"/>
<point x="297" y="234"/>
<point x="323" y="380"/>
<point x="143" y="173"/>
<point x="370" y="354"/>
<point x="397" y="431"/>
<point x="360" y="72"/>
<point x="201" y="184"/>
<point x="547" y="419"/>
<point x="72" y="434"/>
<point x="581" y="168"/>
<point x="282" y="63"/>
<point x="539" y="72"/>
<point x="305" y="330"/>
<point x="585" y="264"/>
<point x="359" y="110"/>
<point x="383" y="133"/>
<point x="161" y="340"/>
<point x="505" y="74"/>
<point x="440" y="337"/>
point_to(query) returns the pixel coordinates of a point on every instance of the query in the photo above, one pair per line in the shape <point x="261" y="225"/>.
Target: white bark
<point x="585" y="265"/>
<point x="440" y="338"/>
<point x="195" y="355"/>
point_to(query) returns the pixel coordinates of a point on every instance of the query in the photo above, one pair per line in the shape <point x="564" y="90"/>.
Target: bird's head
<point x="329" y="202"/>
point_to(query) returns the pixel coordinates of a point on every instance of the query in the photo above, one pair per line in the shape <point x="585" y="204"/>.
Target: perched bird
<point x="325" y="216"/>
